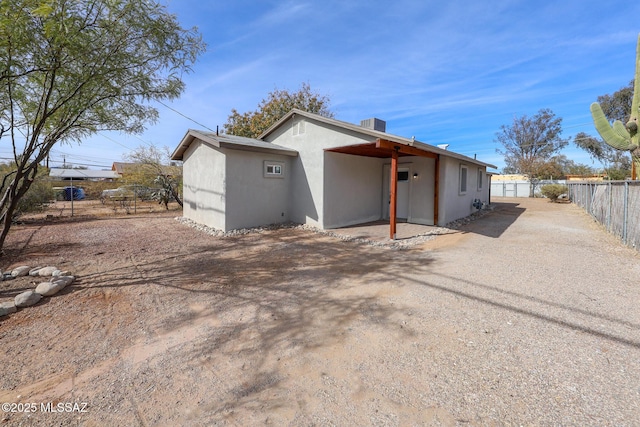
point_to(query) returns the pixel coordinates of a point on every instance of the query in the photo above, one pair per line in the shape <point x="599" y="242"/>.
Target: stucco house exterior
<point x="325" y="173"/>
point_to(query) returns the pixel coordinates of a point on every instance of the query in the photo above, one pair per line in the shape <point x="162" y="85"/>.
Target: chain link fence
<point x="99" y="198"/>
<point x="614" y="204"/>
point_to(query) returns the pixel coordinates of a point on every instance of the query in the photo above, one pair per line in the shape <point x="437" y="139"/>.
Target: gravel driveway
<point x="526" y="316"/>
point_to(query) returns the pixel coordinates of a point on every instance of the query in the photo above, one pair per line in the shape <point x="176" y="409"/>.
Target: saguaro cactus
<point x="620" y="136"/>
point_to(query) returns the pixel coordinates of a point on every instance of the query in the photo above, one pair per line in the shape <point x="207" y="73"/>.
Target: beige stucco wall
<point x="454" y="205"/>
<point x="307" y="200"/>
<point x="352" y="189"/>
<point x="204" y="185"/>
<point x="226" y="188"/>
<point x="253" y="199"/>
<point x="422" y="193"/>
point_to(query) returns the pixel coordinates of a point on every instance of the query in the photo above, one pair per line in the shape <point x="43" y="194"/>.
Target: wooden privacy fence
<point x="614" y="204"/>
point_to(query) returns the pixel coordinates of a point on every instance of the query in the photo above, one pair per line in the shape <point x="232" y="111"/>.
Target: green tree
<point x="565" y="166"/>
<point x="617" y="106"/>
<point x="71" y="68"/>
<point x="273" y="108"/>
<point x="529" y="143"/>
<point x="150" y="166"/>
<point x="617" y="163"/>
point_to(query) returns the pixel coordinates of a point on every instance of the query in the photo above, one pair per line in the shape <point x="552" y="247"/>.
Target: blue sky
<point x="443" y="71"/>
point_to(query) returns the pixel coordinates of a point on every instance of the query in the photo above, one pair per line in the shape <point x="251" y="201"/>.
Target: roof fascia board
<point x="213" y="142"/>
<point x="275" y="150"/>
<point x="187" y="140"/>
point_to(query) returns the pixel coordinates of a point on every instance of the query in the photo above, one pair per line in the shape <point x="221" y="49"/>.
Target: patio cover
<point x="383" y="148"/>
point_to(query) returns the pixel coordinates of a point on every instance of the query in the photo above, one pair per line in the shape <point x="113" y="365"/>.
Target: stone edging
<point x="58" y="281"/>
<point x="397" y="244"/>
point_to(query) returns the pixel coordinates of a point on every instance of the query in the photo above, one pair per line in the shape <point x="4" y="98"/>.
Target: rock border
<point x="392" y="244"/>
<point x="59" y="280"/>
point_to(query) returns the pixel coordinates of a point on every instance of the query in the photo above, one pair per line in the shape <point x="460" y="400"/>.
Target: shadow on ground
<point x="496" y="222"/>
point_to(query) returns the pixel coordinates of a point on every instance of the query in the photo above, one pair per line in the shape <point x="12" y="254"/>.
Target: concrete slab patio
<point x="379" y="231"/>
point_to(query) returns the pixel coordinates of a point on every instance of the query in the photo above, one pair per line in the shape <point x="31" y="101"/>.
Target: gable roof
<point x="229" y="141"/>
<point x="376" y="135"/>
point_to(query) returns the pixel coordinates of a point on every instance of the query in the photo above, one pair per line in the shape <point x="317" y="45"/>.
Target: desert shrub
<point x="39" y="195"/>
<point x="553" y="191"/>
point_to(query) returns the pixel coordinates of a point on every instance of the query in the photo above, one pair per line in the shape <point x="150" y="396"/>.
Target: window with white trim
<point x="462" y="187"/>
<point x="480" y="178"/>
<point x="273" y="169"/>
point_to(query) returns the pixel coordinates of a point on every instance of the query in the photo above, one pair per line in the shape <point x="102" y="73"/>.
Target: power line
<point x="114" y="141"/>
<point x="186" y="117"/>
<point x="81" y="164"/>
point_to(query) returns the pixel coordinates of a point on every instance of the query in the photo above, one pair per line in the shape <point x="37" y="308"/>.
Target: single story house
<point x="325" y="173"/>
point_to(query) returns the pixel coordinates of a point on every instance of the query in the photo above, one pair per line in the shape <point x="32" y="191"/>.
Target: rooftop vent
<point x="375" y="124"/>
<point x="443" y="146"/>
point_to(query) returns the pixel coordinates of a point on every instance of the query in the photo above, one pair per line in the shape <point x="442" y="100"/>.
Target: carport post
<point x="394" y="195"/>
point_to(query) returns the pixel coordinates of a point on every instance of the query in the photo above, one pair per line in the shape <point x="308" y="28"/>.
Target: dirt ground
<point x="526" y="316"/>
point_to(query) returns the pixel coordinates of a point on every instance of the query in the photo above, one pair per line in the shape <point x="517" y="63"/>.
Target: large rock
<point x="54" y="286"/>
<point x="34" y="271"/>
<point x="27" y="299"/>
<point x="7" y="307"/>
<point x="46" y="271"/>
<point x="47" y="289"/>
<point x="61" y="273"/>
<point x="23" y="270"/>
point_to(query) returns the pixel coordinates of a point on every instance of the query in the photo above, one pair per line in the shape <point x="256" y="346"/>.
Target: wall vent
<point x="375" y="124"/>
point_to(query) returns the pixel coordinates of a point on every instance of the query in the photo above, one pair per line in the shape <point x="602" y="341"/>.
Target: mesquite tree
<point x="71" y="68"/>
<point x="530" y="142"/>
<point x="277" y="104"/>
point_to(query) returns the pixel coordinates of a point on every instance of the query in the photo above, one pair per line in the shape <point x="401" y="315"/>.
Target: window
<point x="403" y="176"/>
<point x="273" y="169"/>
<point x="480" y="178"/>
<point x="463" y="180"/>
